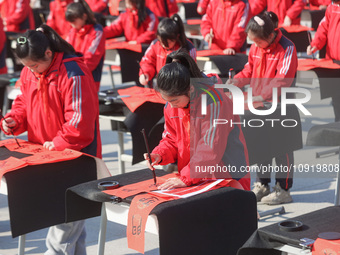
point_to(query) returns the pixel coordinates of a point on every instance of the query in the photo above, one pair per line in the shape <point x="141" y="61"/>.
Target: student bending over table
<point x="206" y="144"/>
<point x="170" y="37"/>
<point x="59" y="109"/>
<point x="272" y="63"/>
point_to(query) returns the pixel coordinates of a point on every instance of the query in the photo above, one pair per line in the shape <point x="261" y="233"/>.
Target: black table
<point x="215" y="222"/>
<point x="36" y="194"/>
<point x="266" y="239"/>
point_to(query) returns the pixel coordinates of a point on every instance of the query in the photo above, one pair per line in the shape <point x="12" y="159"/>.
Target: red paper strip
<point x="194" y="21"/>
<point x="206" y="53"/>
<point x="39" y="155"/>
<point x="139" y="96"/>
<point x="309" y="64"/>
<point x="297" y="28"/>
<point x="140" y="208"/>
<point x="114" y="44"/>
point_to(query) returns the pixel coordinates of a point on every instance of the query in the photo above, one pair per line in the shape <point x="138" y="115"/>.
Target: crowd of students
<point x="63" y="62"/>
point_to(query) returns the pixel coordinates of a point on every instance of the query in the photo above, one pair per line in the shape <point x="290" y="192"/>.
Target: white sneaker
<point x="278" y="196"/>
<point x="260" y="190"/>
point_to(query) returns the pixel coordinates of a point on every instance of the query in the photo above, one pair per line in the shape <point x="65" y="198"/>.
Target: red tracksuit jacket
<point x="162" y="8"/>
<point x="328" y="32"/>
<point x="97" y="5"/>
<point x="3" y="67"/>
<point x="319" y="2"/>
<point x="228" y="21"/>
<point x="73" y="107"/>
<point x="280" y="68"/>
<point x="155" y="57"/>
<point x="127" y="23"/>
<point x="204" y="5"/>
<point x="90" y="41"/>
<point x="18" y="15"/>
<point x="56" y="18"/>
<point x="210" y="145"/>
<point x="291" y="8"/>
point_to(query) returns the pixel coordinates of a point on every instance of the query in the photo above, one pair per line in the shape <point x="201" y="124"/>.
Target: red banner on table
<point x="309" y="64"/>
<point x="297" y="28"/>
<point x="37" y="155"/>
<point x="138" y="96"/>
<point x="194" y="21"/>
<point x="142" y="205"/>
<point x="113" y="43"/>
<point x="206" y="53"/>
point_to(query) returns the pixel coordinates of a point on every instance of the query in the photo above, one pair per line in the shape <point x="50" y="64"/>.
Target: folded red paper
<point x="113" y="43"/>
<point x="297" y="28"/>
<point x="309" y="64"/>
<point x="138" y="96"/>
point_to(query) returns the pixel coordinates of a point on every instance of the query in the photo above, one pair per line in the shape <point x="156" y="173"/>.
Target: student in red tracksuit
<point x="322" y="4"/>
<point x="202" y="6"/>
<point x="137" y="23"/>
<point x="56" y="18"/>
<point x="17" y="15"/>
<point x="87" y="37"/>
<point x="162" y="8"/>
<point x="224" y="25"/>
<point x="3" y="67"/>
<point x="170" y="37"/>
<point x="206" y="145"/>
<point x="288" y="11"/>
<point x="274" y="57"/>
<point x="99" y="6"/>
<point x="328" y="34"/>
<point x="59" y="109"/>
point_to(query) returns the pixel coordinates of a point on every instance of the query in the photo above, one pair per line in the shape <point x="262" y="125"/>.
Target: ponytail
<point x="34" y="43"/>
<point x="172" y="29"/>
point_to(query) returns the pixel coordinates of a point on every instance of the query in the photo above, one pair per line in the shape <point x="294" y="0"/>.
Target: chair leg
<point x="102" y="231"/>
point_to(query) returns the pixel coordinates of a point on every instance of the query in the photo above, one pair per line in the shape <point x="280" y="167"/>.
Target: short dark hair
<point x="265" y="30"/>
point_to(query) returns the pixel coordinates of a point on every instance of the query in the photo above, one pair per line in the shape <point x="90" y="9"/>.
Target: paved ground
<point x="309" y="193"/>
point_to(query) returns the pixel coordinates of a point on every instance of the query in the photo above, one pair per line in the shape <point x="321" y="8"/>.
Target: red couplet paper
<point x="296" y="28"/>
<point x="138" y="96"/>
<point x="142" y="205"/>
<point x="206" y="53"/>
<point x="114" y="44"/>
<point x="194" y="21"/>
<point x="38" y="155"/>
<point x="309" y="64"/>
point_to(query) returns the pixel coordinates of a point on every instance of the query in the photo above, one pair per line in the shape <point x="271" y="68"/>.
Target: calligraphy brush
<point x="148" y="151"/>
<point x="16" y="140"/>
<point x="310" y="41"/>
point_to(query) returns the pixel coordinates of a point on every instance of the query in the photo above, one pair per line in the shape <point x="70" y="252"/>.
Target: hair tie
<point x="21" y="40"/>
<point x="259" y="21"/>
<point x="40" y="29"/>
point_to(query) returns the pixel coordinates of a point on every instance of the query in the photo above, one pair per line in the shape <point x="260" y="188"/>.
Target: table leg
<point x="102" y="231"/>
<point x="21" y="246"/>
<point x="337" y="188"/>
<point x="121" y="164"/>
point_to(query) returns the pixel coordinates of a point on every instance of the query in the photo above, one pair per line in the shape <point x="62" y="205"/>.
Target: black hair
<point x="274" y="18"/>
<point x="77" y="10"/>
<point x="174" y="77"/>
<point x="142" y="14"/>
<point x="34" y="43"/>
<point x="172" y="29"/>
<point x="265" y="30"/>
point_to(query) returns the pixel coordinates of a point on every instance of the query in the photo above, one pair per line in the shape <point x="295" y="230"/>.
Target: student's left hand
<point x="49" y="146"/>
<point x="133" y="42"/>
<point x="229" y="51"/>
<point x="287" y="22"/>
<point x="172" y="183"/>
